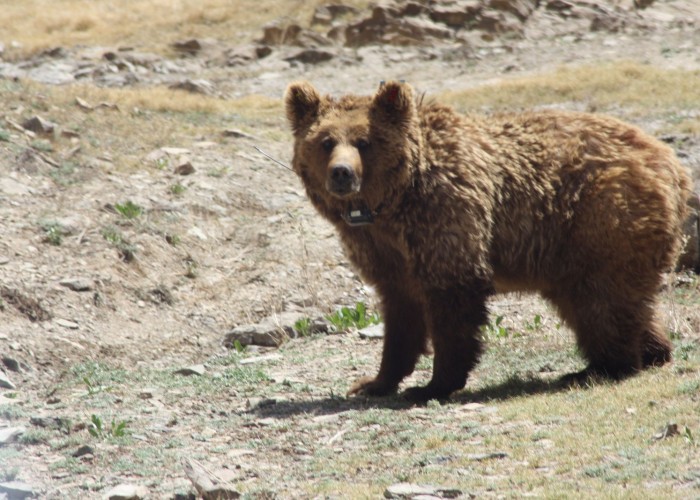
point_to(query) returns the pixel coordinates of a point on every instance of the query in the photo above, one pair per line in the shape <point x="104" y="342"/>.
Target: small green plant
<point x="536" y="324"/>
<point x="53" y="234"/>
<point x="495" y="328"/>
<point x="177" y="189"/>
<point x="357" y="317"/>
<point x="97" y="429"/>
<point x="128" y="209"/>
<point x="688" y="436"/>
<point x="303" y="327"/>
<point x="4" y="135"/>
<point x="127" y="251"/>
<point x="238" y="347"/>
<point x="42" y="145"/>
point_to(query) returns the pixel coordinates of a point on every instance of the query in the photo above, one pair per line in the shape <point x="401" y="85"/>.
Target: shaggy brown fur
<point x="584" y="209"/>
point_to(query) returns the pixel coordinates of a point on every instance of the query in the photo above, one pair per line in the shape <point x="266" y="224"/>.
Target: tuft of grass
<point x="99" y="430"/>
<point x="352" y="317"/>
<point x="177" y="189"/>
<point x="53" y="233"/>
<point x="495" y="328"/>
<point x="128" y="209"/>
<point x="303" y="327"/>
<point x="126" y="250"/>
<point x="40" y="24"/>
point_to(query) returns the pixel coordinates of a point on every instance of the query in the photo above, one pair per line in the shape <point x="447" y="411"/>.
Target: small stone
<point x="260" y="359"/>
<point x="408" y="490"/>
<point x="480" y="457"/>
<point x="127" y="492"/>
<point x="238" y="134"/>
<point x="11" y="364"/>
<point x="67" y="324"/>
<point x="192" y="370"/>
<point x="184" y="168"/>
<point x="312" y="56"/>
<point x="38" y="125"/>
<point x="5" y="381"/>
<point x="77" y="284"/>
<point x="188" y="46"/>
<point x="84" y="450"/>
<point x="669" y="430"/>
<point x="10" y="434"/>
<point x="194" y="86"/>
<point x="50" y="422"/>
<point x="372" y="332"/>
<point x="15" y="490"/>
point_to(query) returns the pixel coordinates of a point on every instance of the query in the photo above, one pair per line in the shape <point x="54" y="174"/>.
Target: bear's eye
<point x="328" y="144"/>
<point x="362" y="144"/>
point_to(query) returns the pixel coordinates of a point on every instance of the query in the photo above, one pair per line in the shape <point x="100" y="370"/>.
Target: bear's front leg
<point x="456" y="317"/>
<point x="405" y="338"/>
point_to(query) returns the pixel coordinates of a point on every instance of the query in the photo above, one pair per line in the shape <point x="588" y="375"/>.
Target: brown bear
<point x="440" y="210"/>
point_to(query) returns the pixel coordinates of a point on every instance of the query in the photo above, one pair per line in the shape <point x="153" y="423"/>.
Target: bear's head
<point x="354" y="152"/>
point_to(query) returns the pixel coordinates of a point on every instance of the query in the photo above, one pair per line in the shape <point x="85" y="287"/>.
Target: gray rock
<point x="5" y="381"/>
<point x="83" y="450"/>
<point x="184" y="168"/>
<point x="71" y="325"/>
<point x="273" y="331"/>
<point x="51" y="422"/>
<point x="311" y="56"/>
<point x="198" y="370"/>
<point x="16" y="490"/>
<point x="195" y="86"/>
<point x="408" y="490"/>
<point x="479" y="457"/>
<point x="9" y="434"/>
<point x="372" y="332"/>
<point x="77" y="284"/>
<point x="127" y="492"/>
<point x="39" y="126"/>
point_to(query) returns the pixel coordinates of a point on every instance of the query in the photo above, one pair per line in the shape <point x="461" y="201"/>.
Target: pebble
<point x="5" y="381"/>
<point x="77" y="284"/>
<point x="16" y="490"/>
<point x="127" y="492"/>
<point x="67" y="324"/>
<point x="408" y="490"/>
<point x="192" y="370"/>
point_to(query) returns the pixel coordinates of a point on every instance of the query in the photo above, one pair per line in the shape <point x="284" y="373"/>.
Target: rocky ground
<point x="161" y="243"/>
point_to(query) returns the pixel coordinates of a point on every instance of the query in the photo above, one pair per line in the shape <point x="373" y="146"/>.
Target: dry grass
<point x="153" y="24"/>
<point x="639" y="87"/>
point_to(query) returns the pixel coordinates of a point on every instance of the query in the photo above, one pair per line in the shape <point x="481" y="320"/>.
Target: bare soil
<point x="230" y="244"/>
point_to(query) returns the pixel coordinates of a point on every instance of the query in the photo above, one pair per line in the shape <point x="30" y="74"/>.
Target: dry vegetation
<point x="152" y="24"/>
<point x="637" y="90"/>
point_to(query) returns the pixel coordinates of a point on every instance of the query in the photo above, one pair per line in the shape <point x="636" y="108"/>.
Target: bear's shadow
<point x="502" y="391"/>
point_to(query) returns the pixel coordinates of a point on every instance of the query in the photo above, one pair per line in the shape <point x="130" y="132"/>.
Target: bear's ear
<point x="394" y="102"/>
<point x="303" y="104"/>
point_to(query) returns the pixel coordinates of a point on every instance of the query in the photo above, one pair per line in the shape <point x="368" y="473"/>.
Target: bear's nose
<point x="342" y="180"/>
<point x="341" y="173"/>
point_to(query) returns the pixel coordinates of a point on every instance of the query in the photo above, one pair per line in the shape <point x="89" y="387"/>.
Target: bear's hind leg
<point x="656" y="347"/>
<point x="405" y="339"/>
<point x="610" y="334"/>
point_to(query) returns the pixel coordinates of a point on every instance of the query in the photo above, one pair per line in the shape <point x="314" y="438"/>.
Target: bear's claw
<point x="371" y="386"/>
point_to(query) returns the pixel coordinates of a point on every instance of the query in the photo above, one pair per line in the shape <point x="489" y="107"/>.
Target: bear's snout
<point x="342" y="180"/>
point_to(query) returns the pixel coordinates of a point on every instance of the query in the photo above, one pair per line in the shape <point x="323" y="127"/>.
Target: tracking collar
<point x="362" y="216"/>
